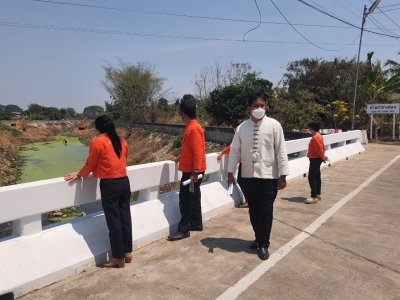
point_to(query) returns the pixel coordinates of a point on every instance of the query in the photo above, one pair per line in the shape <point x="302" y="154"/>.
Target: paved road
<point x="355" y="254"/>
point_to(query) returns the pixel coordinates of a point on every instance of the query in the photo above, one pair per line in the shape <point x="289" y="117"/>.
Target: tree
<point x="131" y="88"/>
<point x="34" y="108"/>
<point x="393" y="66"/>
<point x="51" y="113"/>
<point x="336" y="112"/>
<point x="11" y="108"/>
<point x="376" y="88"/>
<point x="162" y="104"/>
<point x="3" y="115"/>
<point x="71" y="113"/>
<point x="227" y="105"/>
<point x="322" y="81"/>
<point x="91" y="112"/>
<point x="219" y="75"/>
<point x="63" y="113"/>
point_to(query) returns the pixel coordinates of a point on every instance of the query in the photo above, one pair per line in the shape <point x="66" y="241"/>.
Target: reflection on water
<point x="53" y="159"/>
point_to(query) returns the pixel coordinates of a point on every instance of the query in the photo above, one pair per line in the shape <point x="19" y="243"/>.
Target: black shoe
<point x="196" y="228"/>
<point x="178" y="236"/>
<point x="254" y="245"/>
<point x="263" y="253"/>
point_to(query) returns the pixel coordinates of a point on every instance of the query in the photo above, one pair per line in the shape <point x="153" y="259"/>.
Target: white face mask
<point x="258" y="113"/>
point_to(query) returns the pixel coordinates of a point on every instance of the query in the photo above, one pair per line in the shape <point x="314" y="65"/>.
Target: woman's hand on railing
<point x="72" y="176"/>
<point x="219" y="155"/>
<point x="175" y="158"/>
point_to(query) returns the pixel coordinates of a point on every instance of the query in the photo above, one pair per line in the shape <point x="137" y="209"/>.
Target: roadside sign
<point x="392" y="108"/>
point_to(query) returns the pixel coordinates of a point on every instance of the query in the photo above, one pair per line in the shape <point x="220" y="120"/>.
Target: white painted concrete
<point x="42" y="257"/>
<point x="250" y="278"/>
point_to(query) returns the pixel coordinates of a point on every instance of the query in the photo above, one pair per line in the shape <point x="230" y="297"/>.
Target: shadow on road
<point x="227" y="244"/>
<point x="294" y="199"/>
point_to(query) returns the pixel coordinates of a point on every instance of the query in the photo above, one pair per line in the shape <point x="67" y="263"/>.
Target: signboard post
<point x="391" y="108"/>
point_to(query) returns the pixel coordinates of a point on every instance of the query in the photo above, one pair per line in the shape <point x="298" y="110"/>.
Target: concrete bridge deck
<point x="345" y="247"/>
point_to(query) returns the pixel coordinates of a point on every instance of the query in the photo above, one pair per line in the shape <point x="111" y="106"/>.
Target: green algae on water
<point x="52" y="159"/>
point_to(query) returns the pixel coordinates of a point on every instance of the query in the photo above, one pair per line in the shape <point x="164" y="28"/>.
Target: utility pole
<point x="364" y="17"/>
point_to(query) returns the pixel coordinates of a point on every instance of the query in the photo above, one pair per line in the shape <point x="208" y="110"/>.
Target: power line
<point x="259" y="23"/>
<point x="298" y="32"/>
<point x="390" y="5"/>
<point x="379" y="25"/>
<point x="346" y="8"/>
<point x="185" y="15"/>
<point x="344" y="21"/>
<point x="154" y="35"/>
<point x="387" y="17"/>
<point x="386" y="10"/>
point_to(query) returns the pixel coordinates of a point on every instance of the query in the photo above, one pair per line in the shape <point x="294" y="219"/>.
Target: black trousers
<point x="115" y="199"/>
<point x="260" y="194"/>
<point x="314" y="176"/>
<point x="190" y="205"/>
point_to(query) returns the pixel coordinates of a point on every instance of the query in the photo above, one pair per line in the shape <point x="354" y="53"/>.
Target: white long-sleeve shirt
<point x="261" y="149"/>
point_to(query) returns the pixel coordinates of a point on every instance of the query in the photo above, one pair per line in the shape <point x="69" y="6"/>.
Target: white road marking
<point x="234" y="291"/>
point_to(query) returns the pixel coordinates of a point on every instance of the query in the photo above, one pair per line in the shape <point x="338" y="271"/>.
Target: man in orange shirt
<point x="316" y="154"/>
<point x="192" y="162"/>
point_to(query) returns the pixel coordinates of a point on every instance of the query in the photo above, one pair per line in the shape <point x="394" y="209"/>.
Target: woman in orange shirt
<point x="107" y="161"/>
<point x="316" y="154"/>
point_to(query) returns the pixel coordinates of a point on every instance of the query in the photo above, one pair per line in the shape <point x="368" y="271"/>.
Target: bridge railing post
<point x="149" y="194"/>
<point x="28" y="225"/>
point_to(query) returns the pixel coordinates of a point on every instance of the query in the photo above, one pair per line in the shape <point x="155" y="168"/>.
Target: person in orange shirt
<point x="316" y="154"/>
<point x="107" y="161"/>
<point x="192" y="163"/>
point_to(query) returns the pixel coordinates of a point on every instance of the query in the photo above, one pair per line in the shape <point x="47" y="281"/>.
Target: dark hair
<point x="316" y="126"/>
<point x="104" y="124"/>
<point x="188" y="106"/>
<point x="254" y="97"/>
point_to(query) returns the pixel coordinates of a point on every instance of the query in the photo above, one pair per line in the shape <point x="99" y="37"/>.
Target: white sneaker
<point x="311" y="200"/>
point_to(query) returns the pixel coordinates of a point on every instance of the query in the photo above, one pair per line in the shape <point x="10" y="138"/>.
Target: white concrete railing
<point x="24" y="203"/>
<point x="84" y="241"/>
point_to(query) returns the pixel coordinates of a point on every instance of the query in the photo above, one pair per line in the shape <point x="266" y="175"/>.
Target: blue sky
<point x="65" y="68"/>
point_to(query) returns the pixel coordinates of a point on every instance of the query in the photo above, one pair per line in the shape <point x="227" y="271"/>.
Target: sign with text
<point x="393" y="108"/>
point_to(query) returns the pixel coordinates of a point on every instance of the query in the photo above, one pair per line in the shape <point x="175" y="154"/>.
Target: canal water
<point x="53" y="159"/>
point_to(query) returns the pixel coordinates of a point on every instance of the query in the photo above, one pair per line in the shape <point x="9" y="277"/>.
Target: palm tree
<point x="394" y="66"/>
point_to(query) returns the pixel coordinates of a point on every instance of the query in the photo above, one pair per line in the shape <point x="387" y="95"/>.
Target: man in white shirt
<point x="259" y="144"/>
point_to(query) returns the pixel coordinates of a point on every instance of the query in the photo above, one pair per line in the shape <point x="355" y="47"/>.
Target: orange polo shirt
<point x="103" y="162"/>
<point x="316" y="147"/>
<point x="193" y="153"/>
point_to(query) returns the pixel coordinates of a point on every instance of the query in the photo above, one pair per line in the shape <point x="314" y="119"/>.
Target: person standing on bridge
<point x="259" y="144"/>
<point x="316" y="155"/>
<point x="192" y="163"/>
<point x="107" y="160"/>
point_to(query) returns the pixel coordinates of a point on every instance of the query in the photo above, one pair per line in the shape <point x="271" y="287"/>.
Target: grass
<point x="13" y="132"/>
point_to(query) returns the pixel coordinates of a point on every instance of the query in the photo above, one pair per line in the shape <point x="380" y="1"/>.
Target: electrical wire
<point x="259" y="23"/>
<point x="185" y="15"/>
<point x="397" y="25"/>
<point x="115" y="32"/>
<point x="298" y="32"/>
<point x="344" y="21"/>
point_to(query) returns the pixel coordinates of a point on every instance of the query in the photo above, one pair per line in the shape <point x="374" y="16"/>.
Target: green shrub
<point x="11" y="131"/>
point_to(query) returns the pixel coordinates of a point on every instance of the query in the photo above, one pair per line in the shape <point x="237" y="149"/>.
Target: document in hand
<point x="186" y="182"/>
<point x="230" y="189"/>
